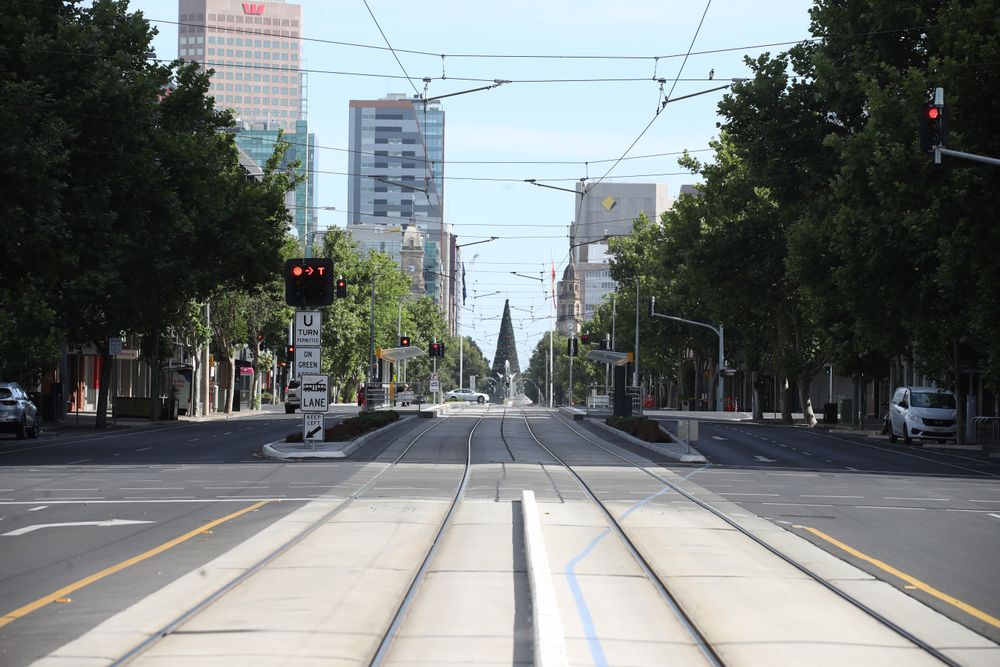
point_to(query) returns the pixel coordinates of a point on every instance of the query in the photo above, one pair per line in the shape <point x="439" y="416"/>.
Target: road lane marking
<point x="888" y="507"/>
<point x="984" y="501"/>
<point x="23" y="611"/>
<point x="71" y="463"/>
<point x="80" y="489"/>
<point x="144" y="449"/>
<point x="39" y="526"/>
<point x="40" y="507"/>
<point x="813" y="496"/>
<point x="995" y="516"/>
<point x="901" y="498"/>
<point x="147" y="500"/>
<point x="799" y="504"/>
<point x="913" y="581"/>
<point x="737" y="493"/>
<point x="152" y="488"/>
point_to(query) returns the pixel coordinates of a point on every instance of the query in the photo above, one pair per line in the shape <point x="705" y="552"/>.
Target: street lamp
<point x="718" y="332"/>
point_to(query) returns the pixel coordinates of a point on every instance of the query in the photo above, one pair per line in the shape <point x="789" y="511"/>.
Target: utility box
<point x="687" y="430"/>
<point x="829" y="413"/>
<point x="847" y="415"/>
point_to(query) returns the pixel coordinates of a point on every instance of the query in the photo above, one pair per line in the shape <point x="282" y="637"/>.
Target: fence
<point x="986" y="430"/>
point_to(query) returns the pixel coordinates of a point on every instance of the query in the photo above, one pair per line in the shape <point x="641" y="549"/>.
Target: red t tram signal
<point x="309" y="282"/>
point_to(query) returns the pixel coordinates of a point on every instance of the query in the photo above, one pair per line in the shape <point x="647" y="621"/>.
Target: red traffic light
<point x="296" y="271"/>
<point x="404" y="341"/>
<point x="933" y="113"/>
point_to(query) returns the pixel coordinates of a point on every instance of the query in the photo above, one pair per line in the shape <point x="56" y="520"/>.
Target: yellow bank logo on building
<point x="608" y="203"/>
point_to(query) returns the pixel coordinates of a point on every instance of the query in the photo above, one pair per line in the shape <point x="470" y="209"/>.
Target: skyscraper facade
<point x="397" y="177"/>
<point x="255" y="50"/>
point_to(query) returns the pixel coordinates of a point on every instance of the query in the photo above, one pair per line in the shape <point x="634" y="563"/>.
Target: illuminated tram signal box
<point x="309" y="282"/>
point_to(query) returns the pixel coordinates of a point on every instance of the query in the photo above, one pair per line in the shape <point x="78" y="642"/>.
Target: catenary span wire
<point x="680" y="71"/>
<point x="556" y="56"/>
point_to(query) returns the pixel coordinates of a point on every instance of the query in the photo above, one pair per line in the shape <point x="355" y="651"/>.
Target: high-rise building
<point x="607" y="211"/>
<point x="256" y="52"/>
<point x="397" y="177"/>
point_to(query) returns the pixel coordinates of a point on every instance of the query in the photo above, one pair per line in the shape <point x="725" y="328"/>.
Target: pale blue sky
<point x="576" y="122"/>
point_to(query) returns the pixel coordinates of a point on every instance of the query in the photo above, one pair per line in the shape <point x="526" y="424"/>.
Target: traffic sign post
<point x="315" y="393"/>
<point x="308" y="328"/>
<point x="307" y="361"/>
<point x="312" y="427"/>
<point x="435" y="383"/>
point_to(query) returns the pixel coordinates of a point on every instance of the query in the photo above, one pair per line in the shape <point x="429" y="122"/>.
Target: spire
<point x="506" y="348"/>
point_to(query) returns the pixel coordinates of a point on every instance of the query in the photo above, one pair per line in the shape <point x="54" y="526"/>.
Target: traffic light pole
<point x="571" y="357"/>
<point x="941" y="150"/>
<point x="719" y="332"/>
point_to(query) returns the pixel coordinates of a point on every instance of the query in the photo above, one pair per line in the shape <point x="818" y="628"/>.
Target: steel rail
<point x="688" y="623"/>
<point x="411" y="592"/>
<point x="199" y="607"/>
<point x="775" y="551"/>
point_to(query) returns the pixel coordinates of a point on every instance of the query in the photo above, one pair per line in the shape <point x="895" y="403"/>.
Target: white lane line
<point x="75" y="489"/>
<point x="798" y="504"/>
<point x="75" y="462"/>
<point x="276" y="495"/>
<point x="973" y="511"/>
<point x="781" y="445"/>
<point x="995" y="516"/>
<point x="984" y="501"/>
<point x="194" y="439"/>
<point x="812" y="496"/>
<point x="793" y="474"/>
<point x="228" y="433"/>
<point x="163" y="498"/>
<point x="144" y="449"/>
<point x="888" y="507"/>
<point x="233" y="488"/>
<point x="805" y="453"/>
<point x="55" y="500"/>
<point x="152" y="488"/>
<point x="40" y="507"/>
<point x="901" y="498"/>
<point x="143" y="500"/>
<point x="737" y="493"/>
<point x="850" y="468"/>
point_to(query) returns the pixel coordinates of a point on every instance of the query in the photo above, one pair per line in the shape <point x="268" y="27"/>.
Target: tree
<point x="506" y="352"/>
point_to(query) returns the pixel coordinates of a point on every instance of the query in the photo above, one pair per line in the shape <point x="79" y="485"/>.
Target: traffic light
<point x="585" y="338"/>
<point x="571" y="347"/>
<point x="309" y="282"/>
<point x="341" y="288"/>
<point x="437" y="349"/>
<point x="933" y="126"/>
<point x="290" y="354"/>
<point x="605" y="344"/>
<point x="404" y="341"/>
<point x="827" y="369"/>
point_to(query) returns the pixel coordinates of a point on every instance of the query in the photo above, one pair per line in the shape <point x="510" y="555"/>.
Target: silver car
<point x="17" y="413"/>
<point x="467" y="395"/>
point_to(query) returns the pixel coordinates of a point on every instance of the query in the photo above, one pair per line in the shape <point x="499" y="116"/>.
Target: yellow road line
<point x="912" y="581"/>
<point x="97" y="576"/>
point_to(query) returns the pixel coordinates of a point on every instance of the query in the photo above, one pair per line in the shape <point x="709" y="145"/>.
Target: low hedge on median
<point x="352" y="428"/>
<point x="640" y="427"/>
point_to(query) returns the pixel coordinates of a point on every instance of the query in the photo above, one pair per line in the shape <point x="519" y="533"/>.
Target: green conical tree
<point x="506" y="349"/>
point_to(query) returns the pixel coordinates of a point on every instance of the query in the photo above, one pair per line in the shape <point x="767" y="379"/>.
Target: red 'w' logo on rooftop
<point x="253" y="8"/>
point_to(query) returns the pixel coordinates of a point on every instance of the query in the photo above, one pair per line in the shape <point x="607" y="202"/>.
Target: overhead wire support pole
<point x="720" y="332"/>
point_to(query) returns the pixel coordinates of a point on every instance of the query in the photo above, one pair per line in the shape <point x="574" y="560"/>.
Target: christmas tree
<point x="506" y="349"/>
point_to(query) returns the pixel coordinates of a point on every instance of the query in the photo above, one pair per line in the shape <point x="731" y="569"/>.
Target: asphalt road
<point x="932" y="515"/>
<point x="156" y="485"/>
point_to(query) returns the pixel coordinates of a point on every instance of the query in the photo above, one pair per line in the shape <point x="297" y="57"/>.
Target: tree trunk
<point x="960" y="399"/>
<point x="227" y="381"/>
<point x="786" y="402"/>
<point x="101" y="420"/>
<point x="805" y="389"/>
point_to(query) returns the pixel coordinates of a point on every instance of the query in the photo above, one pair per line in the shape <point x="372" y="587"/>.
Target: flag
<point x="464" y="292"/>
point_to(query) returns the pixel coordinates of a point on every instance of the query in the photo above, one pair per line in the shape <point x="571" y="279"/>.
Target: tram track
<point x="192" y="612"/>
<point x="736" y="525"/>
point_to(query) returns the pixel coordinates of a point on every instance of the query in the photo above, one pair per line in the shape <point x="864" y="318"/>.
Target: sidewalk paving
<point x="85" y="421"/>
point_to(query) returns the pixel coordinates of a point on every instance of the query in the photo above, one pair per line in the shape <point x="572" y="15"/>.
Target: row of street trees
<point x="821" y="233"/>
<point x="123" y="201"/>
<point x="346" y="323"/>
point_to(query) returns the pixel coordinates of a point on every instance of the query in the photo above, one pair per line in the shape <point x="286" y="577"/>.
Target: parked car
<point x="466" y="395"/>
<point x="17" y="413"/>
<point x="928" y="413"/>
<point x="292" y="397"/>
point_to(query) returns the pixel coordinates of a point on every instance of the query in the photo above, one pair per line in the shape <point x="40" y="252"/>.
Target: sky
<point x="559" y="120"/>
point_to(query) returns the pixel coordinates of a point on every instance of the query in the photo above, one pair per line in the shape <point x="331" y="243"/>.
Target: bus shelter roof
<point x="395" y="354"/>
<point x="609" y="357"/>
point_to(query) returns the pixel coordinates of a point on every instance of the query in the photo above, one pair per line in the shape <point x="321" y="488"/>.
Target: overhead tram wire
<point x="555" y="56"/>
<point x="666" y="99"/>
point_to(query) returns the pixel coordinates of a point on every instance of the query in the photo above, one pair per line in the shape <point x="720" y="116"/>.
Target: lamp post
<point x="718" y="332"/>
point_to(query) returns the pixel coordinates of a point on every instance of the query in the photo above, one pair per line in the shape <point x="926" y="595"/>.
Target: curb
<point x="346" y="448"/>
<point x="548" y="641"/>
<point x="696" y="457"/>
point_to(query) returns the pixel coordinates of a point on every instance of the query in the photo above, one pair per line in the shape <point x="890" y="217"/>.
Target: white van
<point x="928" y="413"/>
